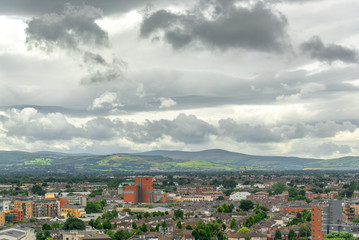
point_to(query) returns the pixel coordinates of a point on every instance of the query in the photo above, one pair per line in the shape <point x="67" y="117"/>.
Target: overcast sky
<point x="271" y="77"/>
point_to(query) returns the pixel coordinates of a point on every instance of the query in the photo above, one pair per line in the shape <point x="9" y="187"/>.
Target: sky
<point x="270" y="77"/>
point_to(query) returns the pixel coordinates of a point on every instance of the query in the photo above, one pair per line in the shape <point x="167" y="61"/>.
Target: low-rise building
<point x="18" y="233"/>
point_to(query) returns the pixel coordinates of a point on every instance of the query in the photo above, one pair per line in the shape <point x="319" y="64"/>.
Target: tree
<point x="178" y="213"/>
<point x="246" y="205"/>
<point x="291" y="235"/>
<point x="143" y="228"/>
<point x="244" y="230"/>
<point x="305" y="230"/>
<point x="37" y="189"/>
<point x="356" y="220"/>
<point x="293" y="192"/>
<point x="107" y="225"/>
<point x="179" y="225"/>
<point x="189" y="227"/>
<point x="122" y="235"/>
<point x="278" y="187"/>
<point x="73" y="223"/>
<point x="46" y="227"/>
<point x="278" y="235"/>
<point x="134" y="225"/>
<point x="147" y="215"/>
<point x="233" y="223"/>
<point x="339" y="235"/>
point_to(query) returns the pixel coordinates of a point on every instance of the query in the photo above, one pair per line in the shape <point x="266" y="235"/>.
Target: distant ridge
<point x="45" y="162"/>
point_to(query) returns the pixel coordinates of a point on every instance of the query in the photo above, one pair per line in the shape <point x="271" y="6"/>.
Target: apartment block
<point x="27" y="206"/>
<point x="142" y="192"/>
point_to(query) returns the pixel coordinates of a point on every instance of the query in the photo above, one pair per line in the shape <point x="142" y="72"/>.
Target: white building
<point x="18" y="233"/>
<point x="239" y="196"/>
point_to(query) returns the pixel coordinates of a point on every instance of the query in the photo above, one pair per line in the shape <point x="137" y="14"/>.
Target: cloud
<point x="107" y="100"/>
<point x="75" y="30"/>
<point x="244" y="132"/>
<point x="32" y="125"/>
<point x="40" y="7"/>
<point x="316" y="49"/>
<point x="71" y="29"/>
<point x="166" y="102"/>
<point x="220" y="25"/>
<point x="329" y="148"/>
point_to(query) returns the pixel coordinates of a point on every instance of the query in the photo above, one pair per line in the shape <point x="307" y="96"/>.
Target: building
<point x="18" y="233"/>
<point x="26" y="206"/>
<point x="84" y="235"/>
<point x="239" y="196"/>
<point x="5" y="205"/>
<point x="46" y="208"/>
<point x="74" y="210"/>
<point x="14" y="216"/>
<point x="350" y="210"/>
<point x="142" y="192"/>
<point x="196" y="189"/>
<point x="329" y="217"/>
<point x="77" y="200"/>
<point x="2" y="218"/>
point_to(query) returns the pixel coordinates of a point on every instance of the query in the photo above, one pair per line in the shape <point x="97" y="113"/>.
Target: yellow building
<point x="73" y="211"/>
<point x="26" y="206"/>
<point x="2" y="218"/>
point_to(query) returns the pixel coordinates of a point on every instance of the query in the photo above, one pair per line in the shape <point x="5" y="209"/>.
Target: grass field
<point x="39" y="161"/>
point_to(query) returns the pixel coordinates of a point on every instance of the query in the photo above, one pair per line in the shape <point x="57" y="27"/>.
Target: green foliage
<point x="208" y="231"/>
<point x="46" y="227"/>
<point x="178" y="213"/>
<point x="246" y="205"/>
<point x="95" y="207"/>
<point x="278" y="235"/>
<point x="244" y="230"/>
<point x="278" y="188"/>
<point x="121" y="235"/>
<point x="305" y="230"/>
<point x="73" y="223"/>
<point x="293" y="192"/>
<point x="233" y="224"/>
<point x="37" y="189"/>
<point x="225" y="208"/>
<point x="179" y="225"/>
<point x="107" y="224"/>
<point x="40" y="236"/>
<point x="110" y="215"/>
<point x="56" y="225"/>
<point x="254" y="219"/>
<point x="220" y="198"/>
<point x="291" y="235"/>
<point x="134" y="225"/>
<point x="339" y="235"/>
<point x="143" y="228"/>
<point x="356" y="220"/>
<point x="189" y="227"/>
<point x="304" y="216"/>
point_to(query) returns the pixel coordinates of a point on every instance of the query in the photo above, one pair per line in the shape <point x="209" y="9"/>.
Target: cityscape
<point x="179" y="120"/>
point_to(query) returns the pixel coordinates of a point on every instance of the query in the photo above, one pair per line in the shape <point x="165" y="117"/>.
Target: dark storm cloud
<point x="40" y="7"/>
<point x="316" y="49"/>
<point x="74" y="27"/>
<point x="75" y="30"/>
<point x="258" y="27"/>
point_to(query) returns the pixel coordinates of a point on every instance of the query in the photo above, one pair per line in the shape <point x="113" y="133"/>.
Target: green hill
<point x="208" y="160"/>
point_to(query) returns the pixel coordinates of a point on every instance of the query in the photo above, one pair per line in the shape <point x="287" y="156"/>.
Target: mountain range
<point x="207" y="160"/>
